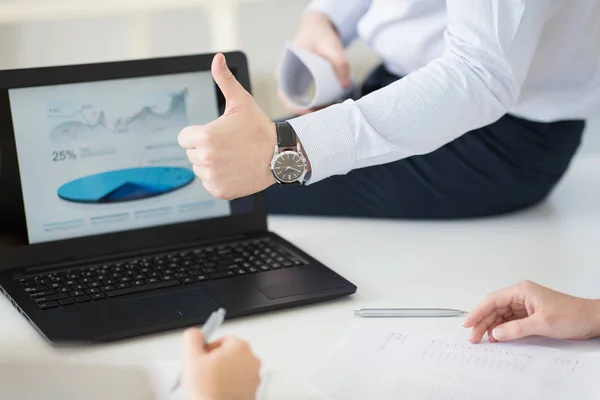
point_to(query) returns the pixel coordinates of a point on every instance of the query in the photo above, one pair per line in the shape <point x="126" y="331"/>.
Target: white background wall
<point x="263" y="26"/>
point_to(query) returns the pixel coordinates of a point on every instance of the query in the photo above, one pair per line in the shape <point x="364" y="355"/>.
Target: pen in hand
<point x="208" y="329"/>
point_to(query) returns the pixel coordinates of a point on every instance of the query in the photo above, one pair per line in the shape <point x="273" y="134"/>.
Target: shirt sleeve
<point x="344" y="15"/>
<point x="489" y="48"/>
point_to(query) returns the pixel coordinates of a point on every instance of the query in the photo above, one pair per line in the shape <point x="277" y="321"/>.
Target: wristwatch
<point x="289" y="164"/>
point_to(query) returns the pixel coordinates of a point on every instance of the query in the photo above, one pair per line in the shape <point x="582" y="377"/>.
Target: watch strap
<point x="286" y="136"/>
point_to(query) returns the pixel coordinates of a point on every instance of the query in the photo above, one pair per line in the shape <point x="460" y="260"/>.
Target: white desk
<point x="410" y="264"/>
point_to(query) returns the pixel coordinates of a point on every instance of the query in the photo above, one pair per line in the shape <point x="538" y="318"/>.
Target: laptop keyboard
<point x="104" y="281"/>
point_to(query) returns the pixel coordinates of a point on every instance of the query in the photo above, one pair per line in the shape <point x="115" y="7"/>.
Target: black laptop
<point x="107" y="234"/>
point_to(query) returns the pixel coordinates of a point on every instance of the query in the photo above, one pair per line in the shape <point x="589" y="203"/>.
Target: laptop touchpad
<point x="188" y="304"/>
<point x="303" y="281"/>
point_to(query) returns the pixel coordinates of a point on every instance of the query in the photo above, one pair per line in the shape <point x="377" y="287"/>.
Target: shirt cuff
<point x="344" y="15"/>
<point x="327" y="140"/>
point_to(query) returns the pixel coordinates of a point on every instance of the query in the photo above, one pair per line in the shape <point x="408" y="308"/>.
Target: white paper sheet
<point x="308" y="80"/>
<point x="390" y="365"/>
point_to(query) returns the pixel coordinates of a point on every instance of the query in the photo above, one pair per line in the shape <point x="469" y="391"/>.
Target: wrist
<point x="316" y="15"/>
<point x="289" y="164"/>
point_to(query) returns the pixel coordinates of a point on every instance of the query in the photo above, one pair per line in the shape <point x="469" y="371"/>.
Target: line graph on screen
<point x="155" y="113"/>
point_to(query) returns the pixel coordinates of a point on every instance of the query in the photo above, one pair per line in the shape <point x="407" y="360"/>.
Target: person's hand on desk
<point x="317" y="34"/>
<point x="528" y="309"/>
<point x="224" y="370"/>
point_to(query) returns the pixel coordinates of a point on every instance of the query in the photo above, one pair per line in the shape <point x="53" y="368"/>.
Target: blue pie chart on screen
<point x="125" y="185"/>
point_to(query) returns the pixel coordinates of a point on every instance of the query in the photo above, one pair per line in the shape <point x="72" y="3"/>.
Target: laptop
<point x="107" y="234"/>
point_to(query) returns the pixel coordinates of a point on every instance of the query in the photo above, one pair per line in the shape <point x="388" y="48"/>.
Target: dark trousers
<point x="509" y="165"/>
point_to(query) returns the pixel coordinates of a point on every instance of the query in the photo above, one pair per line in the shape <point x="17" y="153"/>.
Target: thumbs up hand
<point x="232" y="154"/>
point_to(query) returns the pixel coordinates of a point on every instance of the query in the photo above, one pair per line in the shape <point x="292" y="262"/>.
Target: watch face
<point x="288" y="167"/>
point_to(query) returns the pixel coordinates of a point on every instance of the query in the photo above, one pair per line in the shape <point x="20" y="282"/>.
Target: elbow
<point x="491" y="81"/>
<point x="498" y="80"/>
<point x="503" y="90"/>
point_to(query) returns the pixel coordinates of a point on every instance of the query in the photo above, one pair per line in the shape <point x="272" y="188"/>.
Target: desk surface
<point x="394" y="263"/>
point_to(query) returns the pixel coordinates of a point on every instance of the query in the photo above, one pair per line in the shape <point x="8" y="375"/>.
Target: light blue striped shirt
<point x="466" y="62"/>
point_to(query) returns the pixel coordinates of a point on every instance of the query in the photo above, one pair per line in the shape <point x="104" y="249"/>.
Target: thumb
<point x="517" y="329"/>
<point x="231" y="88"/>
<point x="194" y="343"/>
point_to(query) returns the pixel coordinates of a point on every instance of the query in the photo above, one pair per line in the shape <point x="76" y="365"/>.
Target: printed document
<point x="308" y="80"/>
<point x="393" y="365"/>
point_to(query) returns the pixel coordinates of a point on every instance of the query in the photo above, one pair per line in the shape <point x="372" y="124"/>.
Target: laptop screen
<point x="103" y="157"/>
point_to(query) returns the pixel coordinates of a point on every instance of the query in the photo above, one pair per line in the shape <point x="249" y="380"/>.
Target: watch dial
<point x="288" y="167"/>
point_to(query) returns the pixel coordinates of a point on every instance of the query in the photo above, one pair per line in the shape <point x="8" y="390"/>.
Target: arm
<point x="343" y="14"/>
<point x="489" y="47"/>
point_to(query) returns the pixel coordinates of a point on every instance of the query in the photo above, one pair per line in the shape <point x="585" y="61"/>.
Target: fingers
<point x="195" y="346"/>
<point x="515" y="311"/>
<point x="340" y="64"/>
<point x="208" y="179"/>
<point x="226" y="345"/>
<point x="188" y="137"/>
<point x="496" y="317"/>
<point x="235" y="345"/>
<point x="498" y="322"/>
<point x="198" y="144"/>
<point x="201" y="173"/>
<point x="232" y="342"/>
<point x="318" y="35"/>
<point x="213" y="345"/>
<point x="194" y="342"/>
<point x="193" y="156"/>
<point x="497" y="300"/>
<point x="490" y="336"/>
<point x="518" y="329"/>
<point x="231" y="88"/>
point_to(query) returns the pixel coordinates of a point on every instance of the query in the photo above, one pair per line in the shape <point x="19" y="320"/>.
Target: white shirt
<point x="467" y="63"/>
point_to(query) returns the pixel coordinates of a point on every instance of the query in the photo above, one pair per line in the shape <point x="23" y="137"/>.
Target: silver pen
<point x="209" y="328"/>
<point x="408" y="313"/>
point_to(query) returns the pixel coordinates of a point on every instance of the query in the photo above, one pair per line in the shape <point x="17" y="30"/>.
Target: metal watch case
<point x="296" y="153"/>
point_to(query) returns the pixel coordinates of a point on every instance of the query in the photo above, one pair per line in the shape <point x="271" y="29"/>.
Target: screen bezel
<point x="112" y="244"/>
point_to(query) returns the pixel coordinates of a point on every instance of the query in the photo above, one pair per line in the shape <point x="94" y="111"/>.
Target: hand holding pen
<point x="208" y="330"/>
<point x="210" y="367"/>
